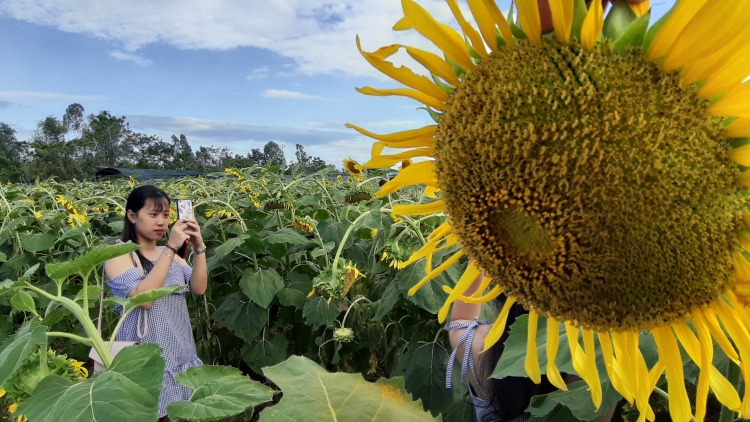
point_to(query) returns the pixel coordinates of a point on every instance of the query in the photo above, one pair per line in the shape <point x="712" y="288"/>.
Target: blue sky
<point x="234" y="73"/>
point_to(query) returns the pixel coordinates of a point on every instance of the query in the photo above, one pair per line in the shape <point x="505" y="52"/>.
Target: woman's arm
<point x="199" y="278"/>
<point x="467" y="311"/>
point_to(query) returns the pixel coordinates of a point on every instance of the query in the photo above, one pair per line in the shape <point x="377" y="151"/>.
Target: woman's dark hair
<point x="137" y="199"/>
<point x="510" y="396"/>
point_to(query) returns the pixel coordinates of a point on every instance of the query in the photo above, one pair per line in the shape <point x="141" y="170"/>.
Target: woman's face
<point x="151" y="221"/>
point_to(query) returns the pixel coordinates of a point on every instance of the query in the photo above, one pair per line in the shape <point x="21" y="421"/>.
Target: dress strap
<point x="467" y="338"/>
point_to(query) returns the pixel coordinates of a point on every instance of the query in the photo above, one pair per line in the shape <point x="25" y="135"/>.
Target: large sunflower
<point x="596" y="175"/>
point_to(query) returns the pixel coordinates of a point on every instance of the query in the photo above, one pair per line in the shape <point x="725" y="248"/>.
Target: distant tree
<point x="11" y="155"/>
<point x="109" y="136"/>
<point x="182" y="158"/>
<point x="74" y="119"/>
<point x="303" y="158"/>
<point x="257" y="157"/>
<point x="273" y="153"/>
<point x="212" y="158"/>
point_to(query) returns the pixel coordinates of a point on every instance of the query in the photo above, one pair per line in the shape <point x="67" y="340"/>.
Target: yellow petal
<point x="415" y="174"/>
<point x="553" y="343"/>
<point x="682" y="13"/>
<point x="386" y="161"/>
<point x="531" y="364"/>
<point x="717" y="23"/>
<point x="485" y="22"/>
<point x="498" y="328"/>
<point x="466" y="280"/>
<point x="709" y="65"/>
<point x="419" y="209"/>
<point x="729" y="75"/>
<point x="2" y="392"/>
<point x="738" y="332"/>
<point x="501" y="22"/>
<point x="468" y="30"/>
<point x="735" y="103"/>
<point x="592" y="26"/>
<point x="403" y="75"/>
<point x="404" y="92"/>
<point x="436" y="272"/>
<point x="408" y="135"/>
<point x="441" y="35"/>
<point x="718" y="334"/>
<point x="591" y="370"/>
<point x="669" y="355"/>
<point x="623" y="366"/>
<point x="562" y="18"/>
<point x="431" y="191"/>
<point x="528" y="15"/>
<point x="740" y="155"/>
<point x="739" y="128"/>
<point x="434" y="63"/>
<point x="641" y="8"/>
<point x="486" y="280"/>
<point x="722" y="388"/>
<point x="492" y="295"/>
<point x="607" y="352"/>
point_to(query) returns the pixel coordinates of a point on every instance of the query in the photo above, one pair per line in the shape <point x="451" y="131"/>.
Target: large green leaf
<point x="618" y="20"/>
<point x="295" y="290"/>
<point x="37" y="242"/>
<point x="245" y="319"/>
<point x="218" y="392"/>
<point x="389" y="298"/>
<point x="262" y="285"/>
<point x="577" y="399"/>
<point x="141" y="298"/>
<point x="84" y="264"/>
<point x="634" y="35"/>
<point x="423" y="368"/>
<point x="319" y="311"/>
<point x="430" y="297"/>
<point x="374" y="220"/>
<point x="127" y="391"/>
<point x="267" y="351"/>
<point x="15" y="350"/>
<point x="230" y="245"/>
<point x="287" y="236"/>
<point x="313" y="394"/>
<point x="335" y="232"/>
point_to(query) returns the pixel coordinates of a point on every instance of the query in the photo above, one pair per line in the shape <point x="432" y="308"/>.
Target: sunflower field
<point x="308" y="267"/>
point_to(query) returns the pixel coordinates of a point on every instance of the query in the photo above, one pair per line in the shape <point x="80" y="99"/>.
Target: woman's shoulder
<point x="457" y="329"/>
<point x="115" y="267"/>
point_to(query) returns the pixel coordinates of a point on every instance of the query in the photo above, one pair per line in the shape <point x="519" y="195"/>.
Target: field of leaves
<point x="303" y="267"/>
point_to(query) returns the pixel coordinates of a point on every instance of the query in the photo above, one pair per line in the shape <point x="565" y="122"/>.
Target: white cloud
<point x="241" y="138"/>
<point x="318" y="35"/>
<point x="283" y="94"/>
<point x="130" y="57"/>
<point x="48" y="95"/>
<point x="258" y="73"/>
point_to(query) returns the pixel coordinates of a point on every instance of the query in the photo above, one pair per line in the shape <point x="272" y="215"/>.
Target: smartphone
<point x="184" y="211"/>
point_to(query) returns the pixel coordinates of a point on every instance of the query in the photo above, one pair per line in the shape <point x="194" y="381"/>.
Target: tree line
<point x="74" y="146"/>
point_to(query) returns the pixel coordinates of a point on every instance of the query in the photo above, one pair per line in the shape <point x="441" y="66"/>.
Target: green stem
<point x="333" y="204"/>
<point x="79" y="339"/>
<point x="83" y="317"/>
<point x="734" y="377"/>
<point x="343" y="321"/>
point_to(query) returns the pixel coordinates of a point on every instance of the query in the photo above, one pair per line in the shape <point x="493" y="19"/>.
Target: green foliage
<point x="38" y="365"/>
<point x="127" y="391"/>
<point x="17" y="349"/>
<point x="218" y="392"/>
<point x="312" y="393"/>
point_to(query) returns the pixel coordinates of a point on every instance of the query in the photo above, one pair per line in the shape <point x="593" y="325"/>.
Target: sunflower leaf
<point x="634" y="35"/>
<point x="311" y="390"/>
<point x="577" y="400"/>
<point x="618" y="20"/>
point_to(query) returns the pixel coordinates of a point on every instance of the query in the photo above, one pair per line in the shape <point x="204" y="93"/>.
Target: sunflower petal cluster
<point x="75" y="218"/>
<point x="598" y="175"/>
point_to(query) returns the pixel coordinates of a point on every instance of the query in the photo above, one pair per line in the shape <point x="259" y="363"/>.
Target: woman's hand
<point x="196" y="238"/>
<point x="546" y="15"/>
<point x="179" y="234"/>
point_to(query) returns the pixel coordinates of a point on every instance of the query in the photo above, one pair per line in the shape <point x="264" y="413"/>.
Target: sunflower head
<point x="343" y="335"/>
<point x="234" y="173"/>
<point x="595" y="175"/>
<point x="222" y="213"/>
<point x="353" y="168"/>
<point x="304" y="224"/>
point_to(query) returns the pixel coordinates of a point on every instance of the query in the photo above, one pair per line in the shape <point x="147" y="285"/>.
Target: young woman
<point x="495" y="400"/>
<point x="164" y="321"/>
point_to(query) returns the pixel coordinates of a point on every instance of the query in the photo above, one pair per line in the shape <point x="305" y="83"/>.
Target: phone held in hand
<point x="184" y="211"/>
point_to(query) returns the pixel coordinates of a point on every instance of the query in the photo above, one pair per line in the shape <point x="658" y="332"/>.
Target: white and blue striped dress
<point x="168" y="324"/>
